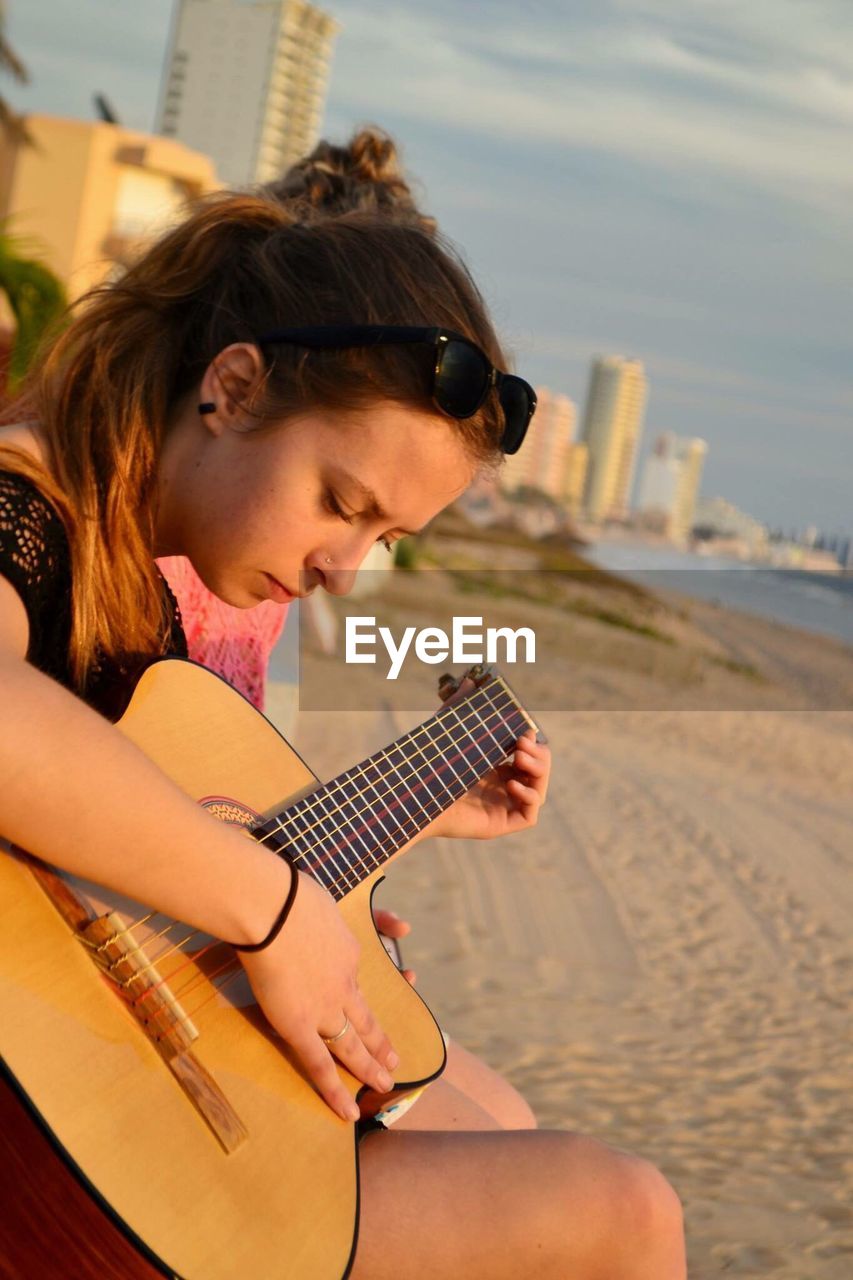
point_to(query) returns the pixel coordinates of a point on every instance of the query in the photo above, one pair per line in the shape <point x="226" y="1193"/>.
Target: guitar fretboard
<point x="346" y="829"/>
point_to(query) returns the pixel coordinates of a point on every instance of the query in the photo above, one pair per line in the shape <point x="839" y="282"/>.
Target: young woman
<point x="363" y="175"/>
<point x="193" y="408"/>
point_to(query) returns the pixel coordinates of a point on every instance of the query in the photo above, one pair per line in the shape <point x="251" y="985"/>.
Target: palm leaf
<point x="9" y="60"/>
<point x="38" y="302"/>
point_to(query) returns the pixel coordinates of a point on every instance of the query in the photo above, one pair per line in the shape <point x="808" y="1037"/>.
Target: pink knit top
<point x="235" y="643"/>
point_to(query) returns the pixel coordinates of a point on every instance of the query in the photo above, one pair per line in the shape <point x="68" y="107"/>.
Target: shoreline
<point x="779" y="593"/>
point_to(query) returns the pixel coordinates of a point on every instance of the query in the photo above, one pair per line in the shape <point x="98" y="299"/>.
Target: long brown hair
<point x="240" y="265"/>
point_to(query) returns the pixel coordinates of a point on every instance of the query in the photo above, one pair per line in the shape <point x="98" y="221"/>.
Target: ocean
<point x="814" y="602"/>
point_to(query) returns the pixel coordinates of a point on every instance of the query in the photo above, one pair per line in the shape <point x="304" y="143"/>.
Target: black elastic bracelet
<point x="278" y="923"/>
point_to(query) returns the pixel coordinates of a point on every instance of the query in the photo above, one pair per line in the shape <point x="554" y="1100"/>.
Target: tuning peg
<point x="447" y="686"/>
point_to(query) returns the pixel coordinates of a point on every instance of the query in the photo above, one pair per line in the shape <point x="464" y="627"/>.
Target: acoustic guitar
<point x="151" y="1121"/>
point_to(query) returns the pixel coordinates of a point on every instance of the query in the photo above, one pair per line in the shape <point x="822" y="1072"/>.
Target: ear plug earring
<point x="207" y="407"/>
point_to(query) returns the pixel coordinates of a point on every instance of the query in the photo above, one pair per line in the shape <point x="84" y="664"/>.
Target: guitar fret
<point x="354" y="831"/>
<point x="314" y="860"/>
<point x="334" y="852"/>
<point x="377" y="811"/>
<point x="375" y="814"/>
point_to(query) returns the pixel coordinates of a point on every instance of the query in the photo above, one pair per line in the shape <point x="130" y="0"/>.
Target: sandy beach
<point x="666" y="961"/>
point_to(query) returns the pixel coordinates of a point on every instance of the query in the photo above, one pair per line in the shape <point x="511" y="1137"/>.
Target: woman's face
<point x="261" y="513"/>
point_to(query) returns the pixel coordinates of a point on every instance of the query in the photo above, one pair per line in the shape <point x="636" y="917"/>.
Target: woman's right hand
<point x="306" y="983"/>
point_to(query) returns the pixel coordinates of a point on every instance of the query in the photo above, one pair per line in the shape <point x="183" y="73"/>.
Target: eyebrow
<point x="372" y="506"/>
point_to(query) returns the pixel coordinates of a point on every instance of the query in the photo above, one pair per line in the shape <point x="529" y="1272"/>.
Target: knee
<point x="654" y="1203"/>
<point x="633" y="1215"/>
<point x="650" y="1220"/>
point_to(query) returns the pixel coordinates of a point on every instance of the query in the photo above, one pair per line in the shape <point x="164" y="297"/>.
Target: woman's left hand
<point x="393" y="926"/>
<point x="505" y="801"/>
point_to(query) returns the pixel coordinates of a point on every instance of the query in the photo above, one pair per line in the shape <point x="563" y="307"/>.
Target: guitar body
<point x="155" y="1182"/>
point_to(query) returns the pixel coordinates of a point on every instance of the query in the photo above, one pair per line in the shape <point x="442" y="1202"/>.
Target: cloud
<point x="779" y="120"/>
<point x="75" y="48"/>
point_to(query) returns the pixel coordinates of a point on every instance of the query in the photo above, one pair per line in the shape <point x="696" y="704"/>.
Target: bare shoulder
<point x="14" y="624"/>
<point x="21" y="435"/>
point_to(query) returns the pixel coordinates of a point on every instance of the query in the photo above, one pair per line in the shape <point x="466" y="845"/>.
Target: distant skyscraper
<point x="691" y="454"/>
<point x="549" y="459"/>
<point x="669" y="486"/>
<point x="613" y="421"/>
<point x="245" y="82"/>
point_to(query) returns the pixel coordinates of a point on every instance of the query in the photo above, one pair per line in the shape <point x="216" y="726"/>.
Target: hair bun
<point x="373" y="156"/>
<point x="364" y="175"/>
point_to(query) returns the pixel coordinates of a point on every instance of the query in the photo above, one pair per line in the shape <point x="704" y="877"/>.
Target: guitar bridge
<point x="138" y="983"/>
<point x="164" y="1022"/>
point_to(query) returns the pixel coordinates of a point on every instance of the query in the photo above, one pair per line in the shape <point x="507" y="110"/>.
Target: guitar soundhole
<point x="231" y="811"/>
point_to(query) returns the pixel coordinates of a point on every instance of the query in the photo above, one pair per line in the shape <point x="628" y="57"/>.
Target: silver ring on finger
<point x="334" y="1039"/>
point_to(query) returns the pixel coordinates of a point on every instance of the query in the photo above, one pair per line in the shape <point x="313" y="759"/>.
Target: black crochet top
<point x="35" y="557"/>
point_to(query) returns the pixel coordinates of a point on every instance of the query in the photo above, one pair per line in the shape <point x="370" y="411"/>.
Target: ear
<point x="229" y="384"/>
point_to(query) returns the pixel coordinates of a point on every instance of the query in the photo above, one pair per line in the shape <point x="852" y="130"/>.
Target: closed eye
<point x="331" y="504"/>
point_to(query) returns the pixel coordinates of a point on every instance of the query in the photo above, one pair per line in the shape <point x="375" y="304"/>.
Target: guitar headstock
<point x="449" y="684"/>
<point x="450" y="690"/>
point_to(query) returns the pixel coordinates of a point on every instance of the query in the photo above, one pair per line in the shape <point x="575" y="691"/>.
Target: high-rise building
<point x="574" y="477"/>
<point x="669" y="485"/>
<point x="541" y="461"/>
<point x="613" y="421"/>
<point x="550" y="458"/>
<point x="691" y="453"/>
<point x="245" y="82"/>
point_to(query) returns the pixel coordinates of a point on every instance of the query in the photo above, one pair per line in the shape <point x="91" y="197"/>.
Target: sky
<point x="665" y="179"/>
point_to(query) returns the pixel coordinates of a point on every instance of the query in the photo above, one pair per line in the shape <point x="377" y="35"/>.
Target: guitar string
<point x="192" y="962"/>
<point x="472" y="712"/>
<point x="350" y="776"/>
<point x="316" y="863"/>
<point x="193" y="984"/>
<point x="315" y="801"/>
<point x="350" y="800"/>
<point x="237" y="969"/>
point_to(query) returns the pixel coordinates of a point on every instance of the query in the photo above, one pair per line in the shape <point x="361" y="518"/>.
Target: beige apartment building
<point x="670" y="483"/>
<point x="245" y="82"/>
<point x="575" y="470"/>
<point x="613" y="422"/>
<point x="83" y="195"/>
<point x="692" y="453"/>
<point x="550" y="459"/>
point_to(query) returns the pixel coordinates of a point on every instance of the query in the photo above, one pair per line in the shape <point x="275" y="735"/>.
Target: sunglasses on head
<point x="462" y="375"/>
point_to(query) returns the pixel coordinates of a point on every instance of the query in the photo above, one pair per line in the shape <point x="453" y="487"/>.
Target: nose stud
<point x="328" y="559"/>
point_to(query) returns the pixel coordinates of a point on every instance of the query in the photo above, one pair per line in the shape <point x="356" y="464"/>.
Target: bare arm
<point x="78" y="793"/>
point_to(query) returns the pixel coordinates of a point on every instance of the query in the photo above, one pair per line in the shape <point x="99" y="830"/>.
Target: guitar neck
<point x="350" y="826"/>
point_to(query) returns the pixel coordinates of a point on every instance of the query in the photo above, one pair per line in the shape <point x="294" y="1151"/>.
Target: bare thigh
<point x="509" y="1204"/>
<point x="487" y="1088"/>
<point x="469" y="1095"/>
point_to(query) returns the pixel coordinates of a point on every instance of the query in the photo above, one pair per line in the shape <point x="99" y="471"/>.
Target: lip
<point x="277" y="591"/>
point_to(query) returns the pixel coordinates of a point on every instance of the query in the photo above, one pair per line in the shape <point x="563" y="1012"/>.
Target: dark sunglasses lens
<point x="518" y="402"/>
<point x="462" y="379"/>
